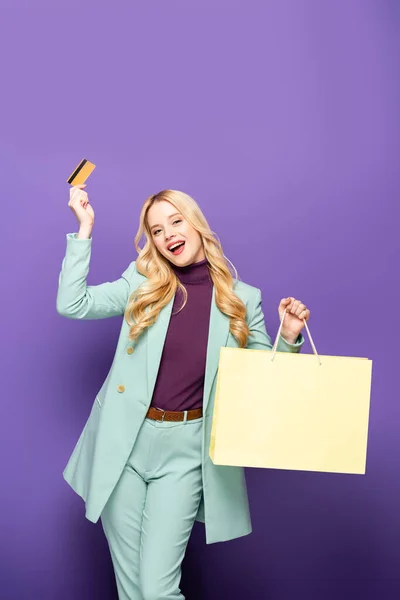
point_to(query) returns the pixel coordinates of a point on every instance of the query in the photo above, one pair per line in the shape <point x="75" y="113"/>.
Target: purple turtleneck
<point x="180" y="379"/>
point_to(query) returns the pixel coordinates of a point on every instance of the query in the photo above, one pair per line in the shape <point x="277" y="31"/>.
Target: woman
<point x="142" y="462"/>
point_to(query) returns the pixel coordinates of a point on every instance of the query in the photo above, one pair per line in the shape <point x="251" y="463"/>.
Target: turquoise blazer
<point x="121" y="404"/>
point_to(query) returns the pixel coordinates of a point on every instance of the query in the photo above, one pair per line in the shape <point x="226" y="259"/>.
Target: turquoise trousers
<point x="150" y="514"/>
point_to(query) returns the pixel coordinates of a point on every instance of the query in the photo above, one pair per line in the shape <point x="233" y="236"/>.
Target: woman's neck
<point x="194" y="273"/>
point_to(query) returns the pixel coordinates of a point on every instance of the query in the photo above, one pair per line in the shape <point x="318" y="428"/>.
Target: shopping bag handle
<point x="278" y="334"/>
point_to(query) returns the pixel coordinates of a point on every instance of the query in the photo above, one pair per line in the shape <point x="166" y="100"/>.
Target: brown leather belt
<point x="158" y="414"/>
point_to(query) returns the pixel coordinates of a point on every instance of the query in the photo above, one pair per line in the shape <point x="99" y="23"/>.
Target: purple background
<point x="282" y="120"/>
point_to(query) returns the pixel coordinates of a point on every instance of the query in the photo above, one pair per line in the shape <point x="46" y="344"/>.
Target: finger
<point x="75" y="191"/>
<point x="301" y="308"/>
<point x="286" y="301"/>
<point x="294" y="306"/>
<point x="80" y="195"/>
<point x="290" y="303"/>
<point x="77" y="188"/>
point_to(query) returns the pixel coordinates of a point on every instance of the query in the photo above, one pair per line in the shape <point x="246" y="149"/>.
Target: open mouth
<point x="178" y="248"/>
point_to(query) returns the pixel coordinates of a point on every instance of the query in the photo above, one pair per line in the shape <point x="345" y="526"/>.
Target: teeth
<point x="175" y="245"/>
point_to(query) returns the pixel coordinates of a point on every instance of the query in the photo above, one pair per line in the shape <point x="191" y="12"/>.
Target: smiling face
<point x="169" y="227"/>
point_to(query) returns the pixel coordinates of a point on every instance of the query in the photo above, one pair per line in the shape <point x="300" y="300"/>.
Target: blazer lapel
<point x="217" y="336"/>
<point x="156" y="335"/>
<point x="218" y="332"/>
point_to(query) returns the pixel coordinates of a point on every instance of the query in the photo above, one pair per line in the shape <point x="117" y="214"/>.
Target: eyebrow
<point x="158" y="224"/>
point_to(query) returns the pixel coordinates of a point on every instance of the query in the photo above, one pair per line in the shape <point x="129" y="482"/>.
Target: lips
<point x="174" y="244"/>
<point x="178" y="249"/>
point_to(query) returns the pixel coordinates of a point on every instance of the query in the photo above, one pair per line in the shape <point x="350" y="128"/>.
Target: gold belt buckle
<point x="160" y="420"/>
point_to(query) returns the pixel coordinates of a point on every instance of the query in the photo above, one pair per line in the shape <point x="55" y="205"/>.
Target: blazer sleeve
<point x="260" y="340"/>
<point x="76" y="299"/>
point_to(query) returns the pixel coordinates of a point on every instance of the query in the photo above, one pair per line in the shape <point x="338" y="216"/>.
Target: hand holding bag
<point x="283" y="410"/>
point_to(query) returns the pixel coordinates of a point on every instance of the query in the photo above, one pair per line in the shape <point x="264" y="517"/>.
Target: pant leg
<point x="151" y="511"/>
<point x="122" y="517"/>
<point x="173" y="496"/>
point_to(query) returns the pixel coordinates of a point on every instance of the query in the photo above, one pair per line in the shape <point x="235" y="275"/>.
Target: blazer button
<point x="130" y="350"/>
<point x="120" y="388"/>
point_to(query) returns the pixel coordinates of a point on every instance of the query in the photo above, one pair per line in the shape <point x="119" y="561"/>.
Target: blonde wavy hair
<point x="146" y="302"/>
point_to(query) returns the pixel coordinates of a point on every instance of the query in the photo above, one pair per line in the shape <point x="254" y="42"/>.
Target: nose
<point x="167" y="235"/>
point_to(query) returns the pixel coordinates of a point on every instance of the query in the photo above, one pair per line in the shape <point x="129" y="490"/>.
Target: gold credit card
<point x="81" y="173"/>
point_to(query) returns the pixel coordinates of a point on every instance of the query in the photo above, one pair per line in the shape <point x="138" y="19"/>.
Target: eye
<point x="173" y="223"/>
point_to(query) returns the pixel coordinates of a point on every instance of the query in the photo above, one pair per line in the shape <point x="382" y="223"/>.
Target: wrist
<point x="84" y="232"/>
<point x="289" y="337"/>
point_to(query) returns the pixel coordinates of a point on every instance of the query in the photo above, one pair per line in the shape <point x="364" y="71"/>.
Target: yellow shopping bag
<point x="283" y="410"/>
